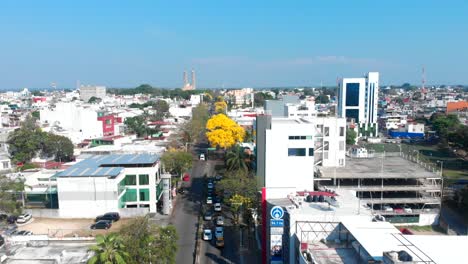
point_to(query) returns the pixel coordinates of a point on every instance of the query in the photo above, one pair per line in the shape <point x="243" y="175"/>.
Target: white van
<point x="202" y="156"/>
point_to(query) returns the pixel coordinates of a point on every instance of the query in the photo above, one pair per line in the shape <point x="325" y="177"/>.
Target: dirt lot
<point x="67" y="227"/>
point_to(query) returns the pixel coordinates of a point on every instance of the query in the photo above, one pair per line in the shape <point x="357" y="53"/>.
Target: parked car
<point x="23" y="233"/>
<point x="207" y="235"/>
<point x="407" y="209"/>
<point x="378" y="218"/>
<point x="208" y="216"/>
<point x="2" y="241"/>
<point x="10" y="230"/>
<point x="398" y="210"/>
<point x="210" y="185"/>
<point x="217" y="207"/>
<point x="406" y="231"/>
<point x="181" y="191"/>
<point x="24" y="218"/>
<point x="218" y="177"/>
<point x="113" y="217"/>
<point x="220" y="242"/>
<point x="387" y="208"/>
<point x="186" y="177"/>
<point x="102" y="224"/>
<point x="209" y="200"/>
<point x="12" y="219"/>
<point x="219" y="232"/>
<point x="219" y="220"/>
<point x="217" y="199"/>
<point x="202" y="156"/>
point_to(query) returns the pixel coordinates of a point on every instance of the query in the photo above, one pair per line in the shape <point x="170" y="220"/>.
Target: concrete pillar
<point x="166" y="179"/>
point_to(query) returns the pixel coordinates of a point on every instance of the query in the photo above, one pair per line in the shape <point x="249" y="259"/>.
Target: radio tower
<point x="423" y="89"/>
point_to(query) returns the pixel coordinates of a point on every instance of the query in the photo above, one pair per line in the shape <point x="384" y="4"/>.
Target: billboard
<point x="276" y="249"/>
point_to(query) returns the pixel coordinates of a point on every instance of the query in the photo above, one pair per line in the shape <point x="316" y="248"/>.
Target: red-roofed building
<point x="457" y="107"/>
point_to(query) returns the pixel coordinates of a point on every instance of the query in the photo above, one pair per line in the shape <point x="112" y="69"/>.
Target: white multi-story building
<point x="88" y="91"/>
<point x="330" y="141"/>
<point x="285" y="155"/>
<point x="74" y="121"/>
<point x="305" y="110"/>
<point x="358" y="100"/>
<point x="110" y="183"/>
<point x="241" y="96"/>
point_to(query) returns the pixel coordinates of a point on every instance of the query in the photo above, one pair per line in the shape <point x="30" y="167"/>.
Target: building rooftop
<point x="390" y="167"/>
<point x="108" y="165"/>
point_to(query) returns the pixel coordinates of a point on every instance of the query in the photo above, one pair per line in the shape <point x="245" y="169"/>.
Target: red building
<point x="108" y="122"/>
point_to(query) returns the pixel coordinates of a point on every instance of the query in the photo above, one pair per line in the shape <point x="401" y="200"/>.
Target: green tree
<point x="59" y="147"/>
<point x="236" y="159"/>
<point x="94" y="100"/>
<point x="260" y="98"/>
<point x="9" y="190"/>
<point x="109" y="249"/>
<point x="149" y="243"/>
<point x="444" y="124"/>
<point x="238" y="203"/>
<point x="36" y="114"/>
<point x="25" y="141"/>
<point x="350" y="136"/>
<point x="322" y="99"/>
<point x="138" y="125"/>
<point x="177" y="161"/>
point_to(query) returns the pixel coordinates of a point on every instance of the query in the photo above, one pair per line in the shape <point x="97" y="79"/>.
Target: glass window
<point x="143" y="179"/>
<point x="308" y="137"/>
<point x="296" y="152"/>
<point x="326" y="145"/>
<point x="291" y="137"/>
<point x="352" y="94"/>
<point x="327" y="131"/>
<point x="311" y="151"/>
<point x="342" y="131"/>
<point x="5" y="165"/>
<point x="325" y="155"/>
<point x="130" y="179"/>
<point x="353" y="113"/>
<point x="108" y="121"/>
<point x="303" y="137"/>
<point x="341" y="145"/>
<point x="131" y="195"/>
<point x="144" y="195"/>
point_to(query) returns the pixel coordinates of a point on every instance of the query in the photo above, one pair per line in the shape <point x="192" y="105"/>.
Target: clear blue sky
<point x="235" y="43"/>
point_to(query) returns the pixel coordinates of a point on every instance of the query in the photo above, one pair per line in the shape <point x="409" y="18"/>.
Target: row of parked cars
<point x="16" y="219"/>
<point x="105" y="221"/>
<point x="212" y="214"/>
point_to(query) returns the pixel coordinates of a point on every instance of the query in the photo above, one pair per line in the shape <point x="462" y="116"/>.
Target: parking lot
<point x="67" y="227"/>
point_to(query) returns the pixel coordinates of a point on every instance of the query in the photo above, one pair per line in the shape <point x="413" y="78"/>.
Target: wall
<point x="281" y="170"/>
<point x="107" y="125"/>
<point x="55" y="213"/>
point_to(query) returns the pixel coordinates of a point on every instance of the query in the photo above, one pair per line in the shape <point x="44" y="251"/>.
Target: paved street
<point x="185" y="214"/>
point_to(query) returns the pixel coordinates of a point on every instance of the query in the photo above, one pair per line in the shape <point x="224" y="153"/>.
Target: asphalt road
<point x="185" y="214"/>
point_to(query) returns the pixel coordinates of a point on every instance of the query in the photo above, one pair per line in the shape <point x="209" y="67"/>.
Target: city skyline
<point x="238" y="44"/>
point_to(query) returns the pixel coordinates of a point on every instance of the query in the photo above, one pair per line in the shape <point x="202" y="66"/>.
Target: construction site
<point x="397" y="187"/>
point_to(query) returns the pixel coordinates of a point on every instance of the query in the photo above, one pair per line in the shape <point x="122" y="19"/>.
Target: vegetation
<point x="109" y="249"/>
<point x="350" y="136"/>
<point x="94" y="100"/>
<point x="260" y="98"/>
<point x="220" y="107"/>
<point x="153" y="91"/>
<point x="148" y="243"/>
<point x="191" y="130"/>
<point x="138" y="125"/>
<point x="451" y="131"/>
<point x="29" y="140"/>
<point x="160" y="106"/>
<point x="223" y="132"/>
<point x="9" y="188"/>
<point x="238" y="203"/>
<point x="177" y="161"/>
<point x="322" y="99"/>
<point x="236" y="159"/>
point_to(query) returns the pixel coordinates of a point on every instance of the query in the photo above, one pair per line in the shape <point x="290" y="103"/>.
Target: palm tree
<point x="236" y="159"/>
<point x="108" y="250"/>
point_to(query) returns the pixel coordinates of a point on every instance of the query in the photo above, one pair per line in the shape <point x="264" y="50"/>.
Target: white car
<point x="207" y="234"/>
<point x="219" y="232"/>
<point x="387" y="208"/>
<point x="24" y="218"/>
<point x="209" y="200"/>
<point x="210" y="185"/>
<point x="202" y="156"/>
<point x="217" y="207"/>
<point x="219" y="220"/>
<point x="407" y="209"/>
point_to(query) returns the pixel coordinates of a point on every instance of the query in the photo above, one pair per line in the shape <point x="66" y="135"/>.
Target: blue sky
<point x="230" y="43"/>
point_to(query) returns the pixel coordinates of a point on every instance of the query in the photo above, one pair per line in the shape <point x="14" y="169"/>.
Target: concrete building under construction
<point x="397" y="186"/>
<point x="189" y="86"/>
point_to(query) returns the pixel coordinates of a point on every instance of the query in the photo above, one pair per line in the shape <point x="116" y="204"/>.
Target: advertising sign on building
<point x="276" y="249"/>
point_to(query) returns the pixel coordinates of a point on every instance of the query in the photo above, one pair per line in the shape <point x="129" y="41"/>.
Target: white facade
<point x="90" y="196"/>
<point x="305" y="110"/>
<point x="415" y="128"/>
<point x="86" y="92"/>
<point x="330" y="141"/>
<point x="73" y="121"/>
<point x="289" y="157"/>
<point x="358" y="99"/>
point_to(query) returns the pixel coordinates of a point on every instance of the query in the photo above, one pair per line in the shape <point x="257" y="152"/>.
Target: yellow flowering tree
<point x="220" y="107"/>
<point x="223" y="132"/>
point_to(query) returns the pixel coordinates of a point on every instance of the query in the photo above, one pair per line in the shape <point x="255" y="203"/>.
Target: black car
<point x="2" y="241"/>
<point x="113" y="217"/>
<point x="12" y="219"/>
<point x="102" y="224"/>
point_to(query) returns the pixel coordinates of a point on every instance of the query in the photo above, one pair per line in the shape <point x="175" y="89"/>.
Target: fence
<point x="55" y="213"/>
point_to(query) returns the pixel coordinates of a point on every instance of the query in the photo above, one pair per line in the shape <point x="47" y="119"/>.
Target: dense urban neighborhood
<point x="239" y="175"/>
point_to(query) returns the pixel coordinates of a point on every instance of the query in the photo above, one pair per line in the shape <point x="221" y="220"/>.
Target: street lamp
<point x="441" y="167"/>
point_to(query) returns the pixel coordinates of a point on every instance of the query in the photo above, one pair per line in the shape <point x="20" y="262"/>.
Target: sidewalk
<point x="250" y="253"/>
